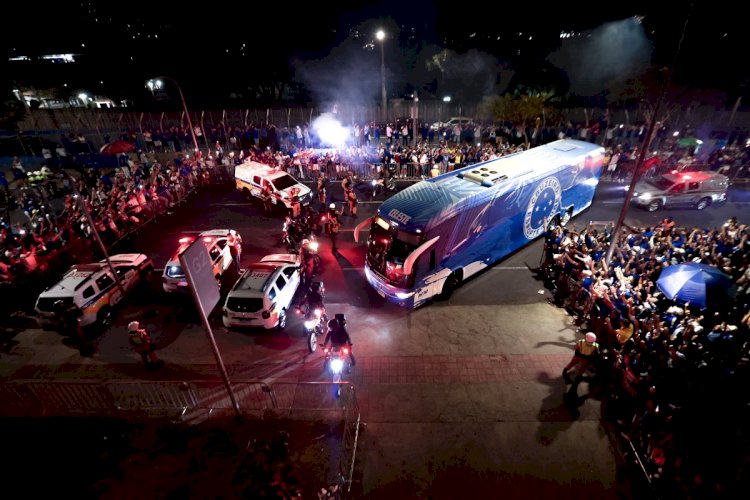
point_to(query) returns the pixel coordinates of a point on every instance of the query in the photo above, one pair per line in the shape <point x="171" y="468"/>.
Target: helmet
<point x="341" y="318"/>
<point x="332" y="206"/>
<point x="590" y="338"/>
<point x="133" y="326"/>
<point x="305" y="242"/>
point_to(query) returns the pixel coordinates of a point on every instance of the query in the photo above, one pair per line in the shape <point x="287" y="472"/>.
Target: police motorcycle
<point x="315" y="323"/>
<point x="387" y="182"/>
<point x="337" y="360"/>
<point x="293" y="231"/>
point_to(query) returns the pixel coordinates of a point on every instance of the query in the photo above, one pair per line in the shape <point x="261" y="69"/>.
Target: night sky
<point x="224" y="52"/>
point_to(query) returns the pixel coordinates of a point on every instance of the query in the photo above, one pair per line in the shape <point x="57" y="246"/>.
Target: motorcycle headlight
<point x="337" y="365"/>
<point x="314" y="246"/>
<point x="374" y="182"/>
<point x="310" y="324"/>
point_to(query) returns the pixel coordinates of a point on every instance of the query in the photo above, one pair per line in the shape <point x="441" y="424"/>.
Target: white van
<point x="681" y="189"/>
<point x="454" y="120"/>
<point x="263" y="294"/>
<point x="252" y="177"/>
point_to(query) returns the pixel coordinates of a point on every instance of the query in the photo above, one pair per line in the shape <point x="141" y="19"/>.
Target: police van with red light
<point x="252" y="178"/>
<point x="216" y="241"/>
<point x="698" y="190"/>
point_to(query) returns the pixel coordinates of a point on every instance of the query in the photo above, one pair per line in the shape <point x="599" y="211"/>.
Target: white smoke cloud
<point x="604" y="58"/>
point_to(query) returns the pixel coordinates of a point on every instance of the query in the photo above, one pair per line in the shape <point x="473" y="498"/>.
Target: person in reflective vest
<point x="587" y="350"/>
<point x="332" y="225"/>
<point x="234" y="242"/>
<point x="143" y="345"/>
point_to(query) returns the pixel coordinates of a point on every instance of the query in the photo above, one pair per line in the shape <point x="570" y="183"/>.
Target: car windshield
<point x="662" y="183"/>
<point x="283" y="182"/>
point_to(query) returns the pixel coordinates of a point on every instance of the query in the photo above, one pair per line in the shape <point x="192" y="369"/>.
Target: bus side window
<point x="432" y="259"/>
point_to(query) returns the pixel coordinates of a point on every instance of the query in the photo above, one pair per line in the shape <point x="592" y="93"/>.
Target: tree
<point x="522" y="110"/>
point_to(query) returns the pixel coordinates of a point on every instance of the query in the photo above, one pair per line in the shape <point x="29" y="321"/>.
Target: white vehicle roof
<point x="251" y="168"/>
<point x="187" y="240"/>
<point x="255" y="280"/>
<point x="125" y="258"/>
<point x="284" y="258"/>
<point x="254" y="168"/>
<point x="73" y="280"/>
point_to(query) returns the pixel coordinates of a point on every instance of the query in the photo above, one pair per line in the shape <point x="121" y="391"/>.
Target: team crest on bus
<point x="544" y="202"/>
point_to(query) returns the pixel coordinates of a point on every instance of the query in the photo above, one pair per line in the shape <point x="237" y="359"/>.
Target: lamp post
<point x="157" y="84"/>
<point x="644" y="149"/>
<point x="380" y="35"/>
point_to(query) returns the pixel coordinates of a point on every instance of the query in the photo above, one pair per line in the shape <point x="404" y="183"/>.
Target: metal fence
<point x="190" y="402"/>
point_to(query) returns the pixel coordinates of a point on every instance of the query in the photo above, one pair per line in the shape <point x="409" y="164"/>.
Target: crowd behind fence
<point x="672" y="374"/>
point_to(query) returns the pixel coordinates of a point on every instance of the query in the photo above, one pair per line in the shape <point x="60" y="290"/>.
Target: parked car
<point x="262" y="296"/>
<point x="92" y="288"/>
<point x="686" y="189"/>
<point x="454" y="120"/>
<point x="173" y="276"/>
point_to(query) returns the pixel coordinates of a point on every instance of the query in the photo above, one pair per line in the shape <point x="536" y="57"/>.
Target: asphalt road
<point x="460" y="397"/>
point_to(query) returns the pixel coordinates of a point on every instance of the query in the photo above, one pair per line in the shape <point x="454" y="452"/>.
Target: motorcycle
<point x="337" y="362"/>
<point x="314" y="326"/>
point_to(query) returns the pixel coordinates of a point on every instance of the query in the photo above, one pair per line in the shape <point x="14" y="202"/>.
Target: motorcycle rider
<point x="308" y="260"/>
<point x="338" y="336"/>
<point x="313" y="299"/>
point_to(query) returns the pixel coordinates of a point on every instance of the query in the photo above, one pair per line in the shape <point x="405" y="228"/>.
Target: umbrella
<point x="689" y="142"/>
<point x="117" y="147"/>
<point x="696" y="283"/>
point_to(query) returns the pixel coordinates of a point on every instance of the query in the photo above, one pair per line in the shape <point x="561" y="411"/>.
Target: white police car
<point x="92" y="288"/>
<point x="263" y="295"/>
<point x="173" y="276"/>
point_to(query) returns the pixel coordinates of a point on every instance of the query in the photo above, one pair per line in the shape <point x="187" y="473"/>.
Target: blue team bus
<point x="427" y="239"/>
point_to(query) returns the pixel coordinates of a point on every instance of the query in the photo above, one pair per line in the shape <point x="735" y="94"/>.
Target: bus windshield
<point x="387" y="251"/>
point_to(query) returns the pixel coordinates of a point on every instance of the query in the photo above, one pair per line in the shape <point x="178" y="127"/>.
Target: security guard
<point x="296" y="205"/>
<point x="332" y="225"/>
<point x="143" y="345"/>
<point x="234" y="242"/>
<point x="351" y="199"/>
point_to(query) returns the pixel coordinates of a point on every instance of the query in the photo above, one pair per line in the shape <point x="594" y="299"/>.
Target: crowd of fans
<point x="119" y="202"/>
<point x="675" y="376"/>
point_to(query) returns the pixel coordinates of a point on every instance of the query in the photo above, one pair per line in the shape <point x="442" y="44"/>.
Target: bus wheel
<point x="450" y="285"/>
<point x="566" y="217"/>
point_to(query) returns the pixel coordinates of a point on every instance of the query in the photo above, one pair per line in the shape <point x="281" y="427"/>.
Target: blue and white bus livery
<point x="427" y="239"/>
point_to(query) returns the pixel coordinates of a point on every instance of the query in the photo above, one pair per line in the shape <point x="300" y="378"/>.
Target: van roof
<point x="255" y="278"/>
<point x="74" y="279"/>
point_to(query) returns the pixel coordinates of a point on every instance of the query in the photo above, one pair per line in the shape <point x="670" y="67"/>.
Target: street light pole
<point x="384" y="98"/>
<point x="184" y="108"/>
<point x="615" y="238"/>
